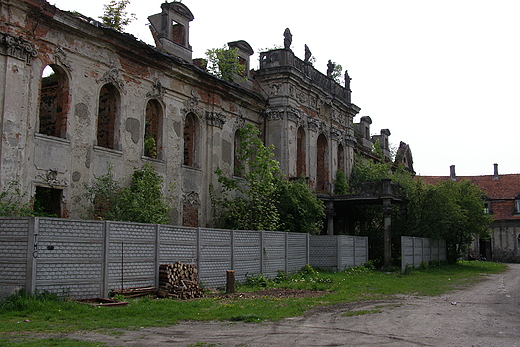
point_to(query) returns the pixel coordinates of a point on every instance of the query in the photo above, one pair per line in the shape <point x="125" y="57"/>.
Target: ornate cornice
<point x="157" y="91"/>
<point x="61" y="58"/>
<point x="191" y="198"/>
<point x="18" y="48"/>
<point x="215" y="119"/>
<point x="191" y="106"/>
<point x="112" y="76"/>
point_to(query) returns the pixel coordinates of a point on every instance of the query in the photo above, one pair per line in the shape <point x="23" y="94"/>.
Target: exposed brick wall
<point x="300" y="153"/>
<point x="178" y="34"/>
<point x="341" y="158"/>
<point x="107" y="116"/>
<point x="322" y="179"/>
<point x="153" y="128"/>
<point x="189" y="140"/>
<point x="190" y="215"/>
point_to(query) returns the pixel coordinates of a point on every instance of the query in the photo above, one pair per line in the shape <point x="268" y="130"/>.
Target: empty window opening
<point x="153" y="130"/>
<point x="322" y="167"/>
<point x="237" y="163"/>
<point x="341" y="158"/>
<point x="53" y="102"/>
<point x="47" y="202"/>
<point x="301" y="169"/>
<point x="107" y="114"/>
<point x="178" y="35"/>
<point x="190" y="139"/>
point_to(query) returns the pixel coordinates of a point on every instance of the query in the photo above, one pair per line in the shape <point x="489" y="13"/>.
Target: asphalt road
<point x="486" y="314"/>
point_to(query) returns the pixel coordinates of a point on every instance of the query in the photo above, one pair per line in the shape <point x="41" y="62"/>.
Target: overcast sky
<point x="442" y="76"/>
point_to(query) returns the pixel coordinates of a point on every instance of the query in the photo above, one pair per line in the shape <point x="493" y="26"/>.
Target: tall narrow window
<point x="190" y="140"/>
<point x="54" y="99"/>
<point x="153" y="130"/>
<point x="107" y="117"/>
<point x="301" y="169"/>
<point x="341" y="158"/>
<point x="322" y="167"/>
<point x="237" y="163"/>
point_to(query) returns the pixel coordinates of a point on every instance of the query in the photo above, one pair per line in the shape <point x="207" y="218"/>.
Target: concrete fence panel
<point x="90" y="258"/>
<point x="415" y="250"/>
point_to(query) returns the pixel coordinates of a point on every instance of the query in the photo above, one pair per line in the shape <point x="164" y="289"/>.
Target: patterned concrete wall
<point x="338" y="252"/>
<point x="415" y="250"/>
<point x="15" y="239"/>
<point x="91" y="258"/>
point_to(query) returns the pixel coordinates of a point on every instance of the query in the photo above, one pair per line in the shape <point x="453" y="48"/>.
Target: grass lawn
<point x="25" y="319"/>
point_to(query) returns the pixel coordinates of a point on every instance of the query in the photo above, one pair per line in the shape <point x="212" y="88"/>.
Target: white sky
<point x="442" y="75"/>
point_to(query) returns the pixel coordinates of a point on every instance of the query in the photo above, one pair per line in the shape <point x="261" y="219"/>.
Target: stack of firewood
<point x="135" y="292"/>
<point x="179" y="280"/>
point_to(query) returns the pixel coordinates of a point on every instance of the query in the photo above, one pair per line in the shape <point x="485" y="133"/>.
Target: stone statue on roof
<point x="330" y="68"/>
<point x="287" y="39"/>
<point x="308" y="54"/>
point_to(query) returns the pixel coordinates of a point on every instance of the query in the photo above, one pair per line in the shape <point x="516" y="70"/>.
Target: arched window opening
<point x="153" y="130"/>
<point x="341" y="158"/>
<point x="237" y="163"/>
<point x="190" y="140"/>
<point x="107" y="116"/>
<point x="301" y="169"/>
<point x="54" y="100"/>
<point x="322" y="167"/>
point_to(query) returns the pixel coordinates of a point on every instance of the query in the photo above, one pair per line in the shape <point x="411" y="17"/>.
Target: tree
<point x="300" y="210"/>
<point x="250" y="203"/>
<point x="341" y="185"/>
<point x="115" y="16"/>
<point x="337" y="73"/>
<point x="450" y="210"/>
<point x="261" y="199"/>
<point x="224" y="63"/>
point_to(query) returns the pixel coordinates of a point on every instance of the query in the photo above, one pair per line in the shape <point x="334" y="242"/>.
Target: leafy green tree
<point x="224" y="63"/>
<point x="450" y="210"/>
<point x="11" y="202"/>
<point x="140" y="202"/>
<point x="115" y="16"/>
<point x="337" y="73"/>
<point x="300" y="210"/>
<point x="261" y="199"/>
<point x="341" y="184"/>
<point x="250" y="203"/>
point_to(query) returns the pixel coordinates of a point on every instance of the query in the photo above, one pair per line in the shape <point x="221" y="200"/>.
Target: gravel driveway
<point x="485" y="314"/>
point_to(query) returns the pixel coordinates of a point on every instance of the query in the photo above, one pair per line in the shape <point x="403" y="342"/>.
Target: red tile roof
<point x="501" y="191"/>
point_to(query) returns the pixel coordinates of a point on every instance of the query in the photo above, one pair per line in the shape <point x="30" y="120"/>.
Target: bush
<point x="11" y="204"/>
<point x="141" y="202"/>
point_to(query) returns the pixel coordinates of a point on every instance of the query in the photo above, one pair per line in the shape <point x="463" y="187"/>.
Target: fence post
<point x="198" y="261"/>
<point x="354" y="239"/>
<point x="157" y="255"/>
<point x="106" y="260"/>
<point x="338" y="252"/>
<point x="286" y="252"/>
<point x="262" y="252"/>
<point x="233" y="250"/>
<point x="32" y="254"/>
<point x="308" y="256"/>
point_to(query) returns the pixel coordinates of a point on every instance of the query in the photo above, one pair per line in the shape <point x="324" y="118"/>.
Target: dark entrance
<point x="47" y="202"/>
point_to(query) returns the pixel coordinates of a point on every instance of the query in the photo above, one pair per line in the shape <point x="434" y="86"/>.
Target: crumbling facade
<point x="78" y="97"/>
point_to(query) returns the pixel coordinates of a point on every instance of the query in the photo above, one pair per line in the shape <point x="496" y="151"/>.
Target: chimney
<point x="495" y="174"/>
<point x="452" y="173"/>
